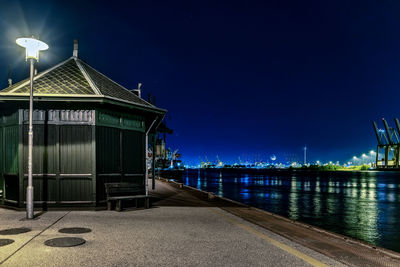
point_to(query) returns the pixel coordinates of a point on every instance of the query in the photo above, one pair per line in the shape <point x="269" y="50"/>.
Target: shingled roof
<point x="74" y="78"/>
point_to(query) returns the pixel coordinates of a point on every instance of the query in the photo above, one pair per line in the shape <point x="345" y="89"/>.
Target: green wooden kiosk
<point x="88" y="130"/>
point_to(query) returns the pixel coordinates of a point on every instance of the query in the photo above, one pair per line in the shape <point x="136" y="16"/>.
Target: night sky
<point x="239" y="78"/>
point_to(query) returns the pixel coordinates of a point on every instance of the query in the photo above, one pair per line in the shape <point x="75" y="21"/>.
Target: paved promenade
<point x="180" y="230"/>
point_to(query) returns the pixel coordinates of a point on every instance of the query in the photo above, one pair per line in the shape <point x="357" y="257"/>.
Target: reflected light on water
<point x="245" y="180"/>
<point x="220" y="186"/>
<point x="362" y="205"/>
<point x="198" y="181"/>
<point x="245" y="194"/>
<point x="293" y="207"/>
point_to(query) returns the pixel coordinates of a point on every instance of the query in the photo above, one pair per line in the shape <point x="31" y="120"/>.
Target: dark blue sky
<point x="239" y="78"/>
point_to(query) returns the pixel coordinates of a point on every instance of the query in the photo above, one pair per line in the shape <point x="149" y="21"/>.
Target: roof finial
<point x="75" y="52"/>
<point x="9" y="77"/>
<point x="139" y="90"/>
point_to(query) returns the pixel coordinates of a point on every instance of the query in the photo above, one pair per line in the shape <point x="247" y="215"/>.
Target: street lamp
<point x="364" y="156"/>
<point x="32" y="47"/>
<point x="372" y="154"/>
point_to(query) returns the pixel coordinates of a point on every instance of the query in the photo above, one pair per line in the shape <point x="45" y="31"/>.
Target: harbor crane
<point x="388" y="141"/>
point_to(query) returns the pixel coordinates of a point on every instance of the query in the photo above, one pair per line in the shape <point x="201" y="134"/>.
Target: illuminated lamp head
<point x="32" y="47"/>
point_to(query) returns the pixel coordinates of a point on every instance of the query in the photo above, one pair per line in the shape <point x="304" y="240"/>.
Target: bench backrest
<point x="123" y="189"/>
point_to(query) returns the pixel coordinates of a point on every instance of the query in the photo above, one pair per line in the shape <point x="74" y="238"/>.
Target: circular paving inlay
<point x="15" y="231"/>
<point x="5" y="242"/>
<point x="74" y="230"/>
<point x="65" y="242"/>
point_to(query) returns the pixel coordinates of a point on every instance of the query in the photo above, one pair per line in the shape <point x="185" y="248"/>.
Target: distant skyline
<point x="237" y="77"/>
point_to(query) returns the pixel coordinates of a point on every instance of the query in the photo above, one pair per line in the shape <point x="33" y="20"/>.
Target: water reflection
<point x="365" y="206"/>
<point x="220" y="186"/>
<point x="293" y="208"/>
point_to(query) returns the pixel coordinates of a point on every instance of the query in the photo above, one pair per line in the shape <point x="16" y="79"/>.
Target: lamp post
<point x="32" y="47"/>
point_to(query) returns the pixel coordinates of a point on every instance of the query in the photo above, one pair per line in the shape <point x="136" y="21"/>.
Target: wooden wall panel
<point x="44" y="149"/>
<point x="133" y="152"/>
<point x="11" y="149"/>
<point x="75" y="149"/>
<point x="75" y="178"/>
<point x="108" y="150"/>
<point x="76" y="189"/>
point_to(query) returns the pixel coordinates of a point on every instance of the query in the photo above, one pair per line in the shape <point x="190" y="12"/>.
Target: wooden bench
<point x="125" y="191"/>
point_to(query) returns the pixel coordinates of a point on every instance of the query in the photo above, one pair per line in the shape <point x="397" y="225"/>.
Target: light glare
<point x="32" y="47"/>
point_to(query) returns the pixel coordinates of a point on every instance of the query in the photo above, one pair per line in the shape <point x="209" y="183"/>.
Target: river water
<point x="362" y="205"/>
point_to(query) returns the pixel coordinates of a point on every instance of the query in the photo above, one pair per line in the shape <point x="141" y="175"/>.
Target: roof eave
<point x="82" y="98"/>
<point x="121" y="102"/>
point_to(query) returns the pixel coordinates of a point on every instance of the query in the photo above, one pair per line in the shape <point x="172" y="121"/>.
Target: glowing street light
<point x="372" y="155"/>
<point x="364" y="156"/>
<point x="355" y="160"/>
<point x="32" y="47"/>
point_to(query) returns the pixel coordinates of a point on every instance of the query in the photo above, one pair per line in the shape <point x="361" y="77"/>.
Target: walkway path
<point x="180" y="230"/>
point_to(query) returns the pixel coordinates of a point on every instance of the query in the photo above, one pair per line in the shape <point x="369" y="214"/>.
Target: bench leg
<point x="118" y="206"/>
<point x="147" y="203"/>
<point x="109" y="205"/>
